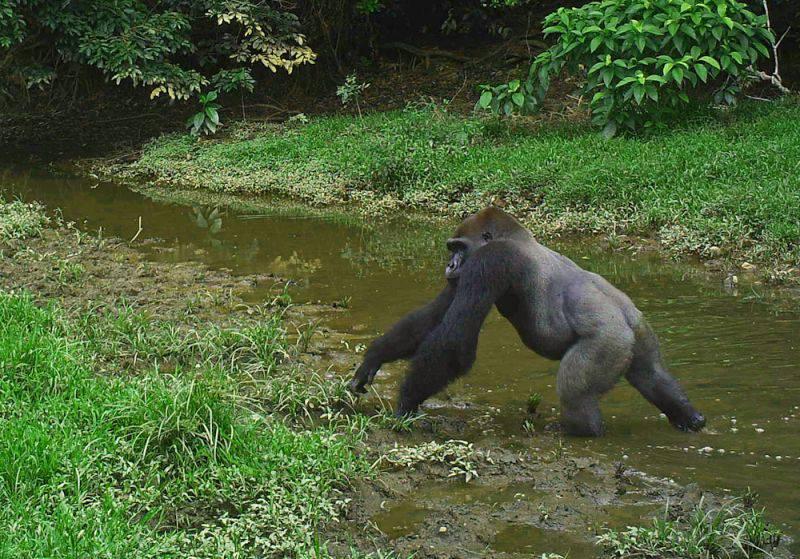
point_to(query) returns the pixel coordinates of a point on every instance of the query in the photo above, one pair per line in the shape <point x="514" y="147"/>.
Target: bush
<point x="173" y="47"/>
<point x="641" y="59"/>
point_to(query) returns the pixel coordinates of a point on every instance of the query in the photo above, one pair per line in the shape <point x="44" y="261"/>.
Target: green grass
<point x="731" y="531"/>
<point x="21" y="221"/>
<point x="194" y="463"/>
<point x="729" y="181"/>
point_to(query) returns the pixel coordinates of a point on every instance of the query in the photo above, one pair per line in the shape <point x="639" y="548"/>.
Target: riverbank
<point x="723" y="187"/>
<point x="192" y="423"/>
<point x="148" y="412"/>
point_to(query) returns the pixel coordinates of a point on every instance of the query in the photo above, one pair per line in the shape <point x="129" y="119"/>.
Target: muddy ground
<point x="531" y="497"/>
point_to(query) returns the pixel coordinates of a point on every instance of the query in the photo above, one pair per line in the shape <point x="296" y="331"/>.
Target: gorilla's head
<point x="487" y="225"/>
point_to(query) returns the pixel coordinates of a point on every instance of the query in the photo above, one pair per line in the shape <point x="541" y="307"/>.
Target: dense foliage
<point x="172" y="47"/>
<point x="642" y="59"/>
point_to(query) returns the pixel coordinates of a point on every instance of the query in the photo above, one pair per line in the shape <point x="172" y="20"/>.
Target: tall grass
<point x="729" y="531"/>
<point x="151" y="465"/>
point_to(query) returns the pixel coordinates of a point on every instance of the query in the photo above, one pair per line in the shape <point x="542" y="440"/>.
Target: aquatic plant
<point x="19" y="220"/>
<point x="458" y="456"/>
<point x="731" y="530"/>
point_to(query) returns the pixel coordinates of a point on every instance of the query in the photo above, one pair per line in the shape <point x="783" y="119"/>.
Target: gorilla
<point x="559" y="310"/>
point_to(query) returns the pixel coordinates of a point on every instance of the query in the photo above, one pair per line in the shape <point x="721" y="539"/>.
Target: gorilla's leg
<point x="590" y="368"/>
<point x="649" y="376"/>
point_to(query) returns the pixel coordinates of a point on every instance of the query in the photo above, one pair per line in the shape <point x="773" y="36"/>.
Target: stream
<point x="736" y="353"/>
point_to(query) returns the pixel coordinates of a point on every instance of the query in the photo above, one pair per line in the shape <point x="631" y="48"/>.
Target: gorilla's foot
<point x="692" y="422"/>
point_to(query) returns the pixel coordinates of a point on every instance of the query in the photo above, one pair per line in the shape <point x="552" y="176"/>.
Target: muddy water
<point x="736" y="354"/>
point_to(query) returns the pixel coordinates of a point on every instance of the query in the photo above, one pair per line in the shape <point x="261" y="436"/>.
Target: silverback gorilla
<point x="559" y="310"/>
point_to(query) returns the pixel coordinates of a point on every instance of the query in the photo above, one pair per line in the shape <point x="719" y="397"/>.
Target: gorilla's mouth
<point x="454" y="267"/>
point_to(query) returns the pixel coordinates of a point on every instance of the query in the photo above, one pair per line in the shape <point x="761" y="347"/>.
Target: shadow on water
<point x="737" y="358"/>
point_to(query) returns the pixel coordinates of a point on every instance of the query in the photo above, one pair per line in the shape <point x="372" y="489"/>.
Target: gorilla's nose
<point x="453" y="265"/>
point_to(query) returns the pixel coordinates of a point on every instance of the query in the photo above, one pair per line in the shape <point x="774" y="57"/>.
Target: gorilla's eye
<point x="487" y="236"/>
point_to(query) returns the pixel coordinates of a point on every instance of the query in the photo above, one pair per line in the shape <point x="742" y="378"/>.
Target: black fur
<point x="559" y="310"/>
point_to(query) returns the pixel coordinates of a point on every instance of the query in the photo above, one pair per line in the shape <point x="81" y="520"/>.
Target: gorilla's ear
<point x="486" y="236"/>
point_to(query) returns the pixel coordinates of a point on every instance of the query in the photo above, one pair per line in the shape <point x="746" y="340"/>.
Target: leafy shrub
<point x="351" y="90"/>
<point x="207" y="120"/>
<point x="508" y="98"/>
<point x="173" y="47"/>
<point x="642" y="58"/>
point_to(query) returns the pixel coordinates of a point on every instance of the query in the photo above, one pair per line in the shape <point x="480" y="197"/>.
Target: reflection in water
<point x="737" y="357"/>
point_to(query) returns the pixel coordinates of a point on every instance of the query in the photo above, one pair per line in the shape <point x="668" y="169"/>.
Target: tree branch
<point x="775" y="77"/>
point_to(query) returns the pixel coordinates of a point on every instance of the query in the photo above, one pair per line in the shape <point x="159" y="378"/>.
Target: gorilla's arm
<point x="449" y="350"/>
<point x="403" y="339"/>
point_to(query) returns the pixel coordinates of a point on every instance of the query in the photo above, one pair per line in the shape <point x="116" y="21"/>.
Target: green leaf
<point x="596" y="67"/>
<point x="485" y="100"/>
<point x="608" y="75"/>
<point x="212" y="96"/>
<point x="595" y="43"/>
<point x="737" y="57"/>
<point x="701" y="72"/>
<point x="518" y="98"/>
<point x="513" y="85"/>
<point x="762" y="49"/>
<point x="638" y="94"/>
<point x="212" y="114"/>
<point x="677" y="73"/>
<point x="710" y="61"/>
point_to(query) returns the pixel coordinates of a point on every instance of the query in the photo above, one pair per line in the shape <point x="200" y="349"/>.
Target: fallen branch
<point x="426" y="53"/>
<point x="529" y="41"/>
<point x="139" y="232"/>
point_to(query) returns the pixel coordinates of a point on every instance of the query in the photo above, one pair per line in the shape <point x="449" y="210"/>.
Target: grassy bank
<point x="721" y="185"/>
<point x="179" y="464"/>
<point x="125" y="435"/>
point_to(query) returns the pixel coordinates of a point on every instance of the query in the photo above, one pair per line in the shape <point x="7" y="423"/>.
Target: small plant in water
<point x="731" y="530"/>
<point x="459" y="456"/>
<point x="351" y="90"/>
<point x="207" y="120"/>
<point x="534" y="400"/>
<point x="529" y="427"/>
<point x="304" y="335"/>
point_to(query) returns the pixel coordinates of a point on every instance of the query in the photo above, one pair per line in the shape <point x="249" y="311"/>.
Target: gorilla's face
<point x="461" y="248"/>
<point x="476" y="231"/>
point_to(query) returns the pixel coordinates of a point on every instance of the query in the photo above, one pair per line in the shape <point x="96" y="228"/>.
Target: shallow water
<point x="736" y="354"/>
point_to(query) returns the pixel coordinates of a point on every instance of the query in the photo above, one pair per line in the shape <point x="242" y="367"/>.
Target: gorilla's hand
<point x="364" y="376"/>
<point x="694" y="422"/>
